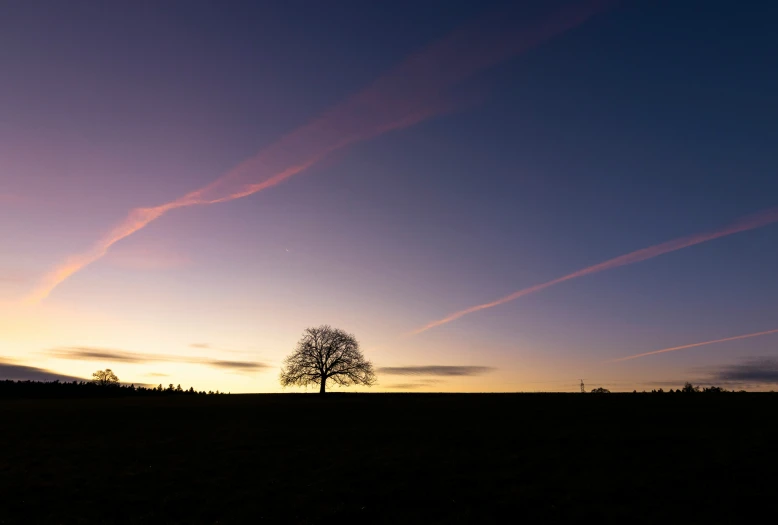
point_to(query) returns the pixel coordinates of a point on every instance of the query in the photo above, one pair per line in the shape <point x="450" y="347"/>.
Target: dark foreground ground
<point x="375" y="458"/>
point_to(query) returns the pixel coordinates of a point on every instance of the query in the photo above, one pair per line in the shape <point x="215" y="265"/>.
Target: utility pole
<point x="583" y="388"/>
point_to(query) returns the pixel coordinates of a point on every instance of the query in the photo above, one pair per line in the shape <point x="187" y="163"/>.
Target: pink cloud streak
<point x="413" y="91"/>
<point x="693" y="345"/>
<point x="745" y="224"/>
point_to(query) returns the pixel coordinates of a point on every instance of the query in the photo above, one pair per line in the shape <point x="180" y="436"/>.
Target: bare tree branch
<point x="105" y="377"/>
<point x="327" y="353"/>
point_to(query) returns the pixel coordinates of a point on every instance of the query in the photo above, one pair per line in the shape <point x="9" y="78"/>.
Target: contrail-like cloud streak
<point x="745" y="224"/>
<point x="413" y="91"/>
<point x="693" y="345"/>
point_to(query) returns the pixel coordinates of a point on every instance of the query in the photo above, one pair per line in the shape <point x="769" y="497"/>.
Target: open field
<point x="385" y="458"/>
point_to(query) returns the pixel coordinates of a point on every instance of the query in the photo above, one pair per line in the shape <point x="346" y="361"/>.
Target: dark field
<point x="379" y="458"/>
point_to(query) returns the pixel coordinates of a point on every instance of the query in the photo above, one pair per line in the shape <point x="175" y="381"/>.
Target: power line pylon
<point x="583" y="388"/>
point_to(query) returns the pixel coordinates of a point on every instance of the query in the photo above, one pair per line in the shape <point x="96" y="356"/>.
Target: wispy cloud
<point x="16" y="372"/>
<point x="413" y="91"/>
<point x="235" y="365"/>
<point x="415" y="385"/>
<point x="112" y="355"/>
<point x="435" y="370"/>
<point x="760" y="370"/>
<point x="157" y="374"/>
<point x="748" y="223"/>
<point x="693" y="345"/>
<point x="200" y="345"/>
<point x="106" y="354"/>
<point x="754" y="373"/>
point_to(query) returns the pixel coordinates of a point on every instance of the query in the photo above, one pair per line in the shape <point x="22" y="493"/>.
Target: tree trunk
<point x="321" y="385"/>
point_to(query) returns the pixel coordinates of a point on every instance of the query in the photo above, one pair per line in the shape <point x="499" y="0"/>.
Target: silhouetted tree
<point x="327" y="353"/>
<point x="688" y="388"/>
<point x="600" y="390"/>
<point x="105" y="378"/>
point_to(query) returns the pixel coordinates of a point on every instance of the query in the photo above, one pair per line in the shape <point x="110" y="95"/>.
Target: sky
<point x="491" y="196"/>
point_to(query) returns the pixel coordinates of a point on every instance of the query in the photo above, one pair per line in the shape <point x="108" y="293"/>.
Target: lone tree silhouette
<point x="105" y="377"/>
<point x="327" y="353"/>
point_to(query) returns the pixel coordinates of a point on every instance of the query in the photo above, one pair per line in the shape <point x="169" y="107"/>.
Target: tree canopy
<point x="325" y="353"/>
<point x="105" y="377"/>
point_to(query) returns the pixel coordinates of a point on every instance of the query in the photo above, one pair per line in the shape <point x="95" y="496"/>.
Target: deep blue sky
<point x="651" y="121"/>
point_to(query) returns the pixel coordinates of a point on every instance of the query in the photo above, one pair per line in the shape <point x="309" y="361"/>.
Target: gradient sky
<point x="444" y="155"/>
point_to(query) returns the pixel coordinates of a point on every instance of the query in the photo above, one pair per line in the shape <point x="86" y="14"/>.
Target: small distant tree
<point x="105" y="378"/>
<point x="600" y="390"/>
<point x="689" y="388"/>
<point x="325" y="353"/>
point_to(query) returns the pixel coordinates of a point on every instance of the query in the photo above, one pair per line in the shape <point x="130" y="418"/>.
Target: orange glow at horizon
<point x="749" y="223"/>
<point x="693" y="345"/>
<point x="413" y="91"/>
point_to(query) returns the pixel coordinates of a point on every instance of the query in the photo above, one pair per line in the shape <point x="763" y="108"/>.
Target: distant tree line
<point x="104" y="384"/>
<point x="689" y="388"/>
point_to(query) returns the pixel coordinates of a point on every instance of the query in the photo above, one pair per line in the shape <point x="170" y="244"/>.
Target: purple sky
<point x="185" y="187"/>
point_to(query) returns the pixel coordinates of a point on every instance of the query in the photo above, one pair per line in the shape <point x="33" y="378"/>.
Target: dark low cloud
<point x="405" y="386"/>
<point x="435" y="370"/>
<point x="760" y="370"/>
<point x="758" y="373"/>
<point x="236" y="365"/>
<point x="415" y="385"/>
<point x="108" y="354"/>
<point x="24" y="373"/>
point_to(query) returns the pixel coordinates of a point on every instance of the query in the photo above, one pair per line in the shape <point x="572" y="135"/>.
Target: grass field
<point x="386" y="458"/>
